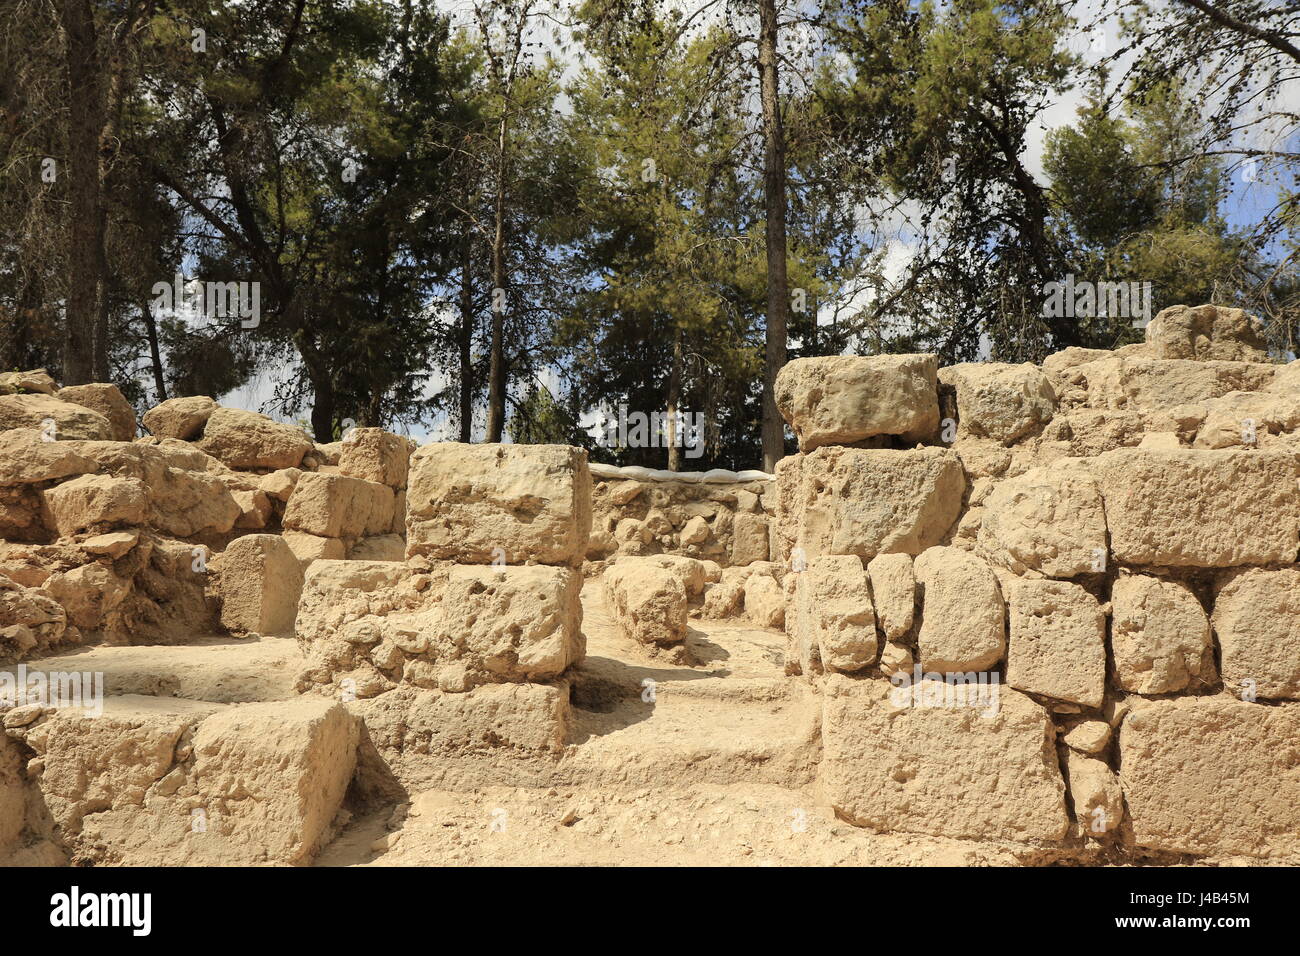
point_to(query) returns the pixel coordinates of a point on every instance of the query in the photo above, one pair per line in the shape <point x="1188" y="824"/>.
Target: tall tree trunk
<point x="496" y="367"/>
<point x="324" y="399"/>
<point x="778" y="290"/>
<point x="85" y="201"/>
<point x="155" y="355"/>
<point x="674" y="400"/>
<point x="465" y="335"/>
<point x="322" y="409"/>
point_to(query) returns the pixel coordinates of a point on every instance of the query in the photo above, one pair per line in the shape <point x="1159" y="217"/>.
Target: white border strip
<point x="717" y="476"/>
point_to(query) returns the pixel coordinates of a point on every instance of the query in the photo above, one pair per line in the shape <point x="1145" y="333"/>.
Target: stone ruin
<point x="988" y="613"/>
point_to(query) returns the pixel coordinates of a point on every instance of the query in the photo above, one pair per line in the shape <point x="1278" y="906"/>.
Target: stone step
<point x="688" y="825"/>
<point x="223" y="670"/>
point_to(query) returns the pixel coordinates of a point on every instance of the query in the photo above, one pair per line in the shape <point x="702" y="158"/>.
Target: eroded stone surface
<point x="1212" y="509"/>
<point x="1213" y="775"/>
<point x="841" y="399"/>
<point x="868" y="501"/>
<point x="942" y="770"/>
<point x="508" y="503"/>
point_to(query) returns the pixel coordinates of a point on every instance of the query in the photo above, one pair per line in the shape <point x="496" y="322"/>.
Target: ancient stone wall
<point x="1055" y="606"/>
<point x="1070" y="609"/>
<point x="718" y="516"/>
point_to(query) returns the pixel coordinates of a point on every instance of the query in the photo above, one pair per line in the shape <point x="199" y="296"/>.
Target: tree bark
<point x="155" y="355"/>
<point x="496" y="365"/>
<point x="465" y="335"/>
<point x="778" y="290"/>
<point x="674" y="400"/>
<point x="85" y="200"/>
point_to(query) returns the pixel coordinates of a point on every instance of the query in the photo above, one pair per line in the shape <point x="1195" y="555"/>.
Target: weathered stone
<point x="695" y="531"/>
<point x="95" y="503"/>
<point x="1213" y="509"/>
<point x="310" y="547"/>
<point x="947" y="771"/>
<point x="260" y="784"/>
<point x="1095" y="793"/>
<point x="512" y="503"/>
<point x="690" y="571"/>
<point x="1088" y="432"/>
<point x="420" y="726"/>
<point x="375" y="455"/>
<point x="1257" y="619"/>
<point x="1058" y="642"/>
<point x="511" y="623"/>
<point x="764" y="601"/>
<point x="31" y="621"/>
<point x="1152" y="385"/>
<point x="112" y="545"/>
<point x="181" y="418"/>
<point x="243" y="439"/>
<point x="963" y="624"/>
<point x="26" y="458"/>
<point x="893" y="591"/>
<point x="109" y="401"/>
<point x="334" y="506"/>
<point x="260" y="580"/>
<point x="896" y="659"/>
<point x="1213" y="775"/>
<point x="749" y="538"/>
<point x="832" y="624"/>
<point x="280" y="484"/>
<point x="35" y="380"/>
<point x="1000" y="402"/>
<point x="646" y="601"/>
<point x="1160" y="636"/>
<point x="1207" y="332"/>
<point x="89" y="594"/>
<point x="841" y="399"/>
<point x="1088" y="737"/>
<point x="186" y="491"/>
<point x="868" y="502"/>
<point x="1049" y="519"/>
<point x="59" y="420"/>
<point x="379" y="547"/>
<point x="255" y="509"/>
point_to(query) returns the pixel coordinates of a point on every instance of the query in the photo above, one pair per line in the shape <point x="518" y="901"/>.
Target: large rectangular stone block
<point x="867" y="501"/>
<point x="335" y="506"/>
<point x="839" y="399"/>
<point x="1148" y="385"/>
<point x="159" y="781"/>
<point x="1213" y="775"/>
<point x="1058" y="641"/>
<point x="1193" y="508"/>
<point x="259" y="580"/>
<point x="959" y="771"/>
<point x="479" y="504"/>
<point x="1257" y="619"/>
